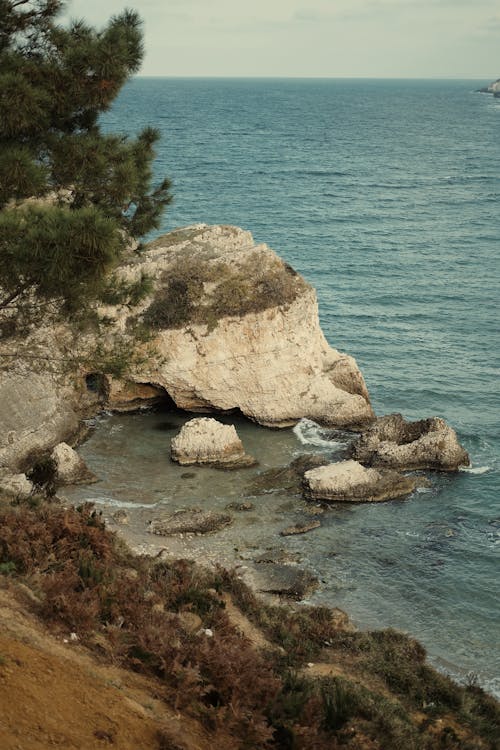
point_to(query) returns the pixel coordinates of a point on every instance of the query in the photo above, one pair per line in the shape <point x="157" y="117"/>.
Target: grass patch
<point x="203" y="291"/>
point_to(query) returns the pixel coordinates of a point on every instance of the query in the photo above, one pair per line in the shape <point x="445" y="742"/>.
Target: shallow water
<point x="397" y="563"/>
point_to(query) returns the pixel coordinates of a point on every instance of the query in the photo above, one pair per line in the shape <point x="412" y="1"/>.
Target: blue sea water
<point x="384" y="195"/>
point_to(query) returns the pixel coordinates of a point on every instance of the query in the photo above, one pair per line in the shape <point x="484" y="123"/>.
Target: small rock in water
<point x="393" y="442"/>
<point x="189" y="522"/>
<point x="300" y="528"/>
<point x="349" y="481"/>
<point x="205" y="441"/>
<point x="188" y="475"/>
<point x="240" y="506"/>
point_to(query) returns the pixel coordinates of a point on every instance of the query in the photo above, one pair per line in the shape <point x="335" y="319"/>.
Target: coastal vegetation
<point x="202" y="291"/>
<point x="311" y="682"/>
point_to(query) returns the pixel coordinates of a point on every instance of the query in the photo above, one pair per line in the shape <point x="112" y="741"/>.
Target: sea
<point x="385" y="195"/>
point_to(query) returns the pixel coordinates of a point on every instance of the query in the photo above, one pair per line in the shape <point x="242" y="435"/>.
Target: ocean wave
<point x="102" y="500"/>
<point x="311" y="433"/>
<point x="475" y="469"/>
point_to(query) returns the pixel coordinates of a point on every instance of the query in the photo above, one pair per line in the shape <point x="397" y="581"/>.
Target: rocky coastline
<point x="230" y="328"/>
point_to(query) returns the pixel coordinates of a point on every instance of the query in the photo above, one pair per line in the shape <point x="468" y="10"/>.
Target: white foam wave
<point x="310" y="433"/>
<point x="475" y="469"/>
<point x="103" y="500"/>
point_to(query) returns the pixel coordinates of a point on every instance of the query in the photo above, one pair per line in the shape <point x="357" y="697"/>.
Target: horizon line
<point x="316" y="78"/>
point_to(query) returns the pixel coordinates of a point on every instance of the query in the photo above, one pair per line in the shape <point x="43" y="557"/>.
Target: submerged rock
<point x="426" y="444"/>
<point x="287" y="478"/>
<point x="207" y="441"/>
<point x="349" y="481"/>
<point x="288" y="581"/>
<point x="300" y="528"/>
<point x="189" y="522"/>
<point x="70" y="468"/>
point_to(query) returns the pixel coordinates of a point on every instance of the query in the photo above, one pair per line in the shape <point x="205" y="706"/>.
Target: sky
<point x="313" y="38"/>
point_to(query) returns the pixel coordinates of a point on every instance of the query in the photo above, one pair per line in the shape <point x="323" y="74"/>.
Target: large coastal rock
<point x="227" y="326"/>
<point x="426" y="444"/>
<point x="349" y="481"/>
<point x="207" y="441"/>
<point x="237" y="328"/>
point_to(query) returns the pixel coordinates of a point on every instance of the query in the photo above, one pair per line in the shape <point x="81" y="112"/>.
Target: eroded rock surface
<point x="207" y="441"/>
<point x="349" y="481"/>
<point x="426" y="444"/>
<point x="236" y="327"/>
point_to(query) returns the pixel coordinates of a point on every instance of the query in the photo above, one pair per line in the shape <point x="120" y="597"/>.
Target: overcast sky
<point x="327" y="38"/>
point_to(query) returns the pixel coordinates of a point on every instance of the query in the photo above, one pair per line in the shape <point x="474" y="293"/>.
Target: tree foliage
<point x="71" y="196"/>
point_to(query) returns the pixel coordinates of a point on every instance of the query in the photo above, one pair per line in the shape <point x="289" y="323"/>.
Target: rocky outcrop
<point x="194" y="521"/>
<point x="395" y="443"/>
<point x="492" y="88"/>
<point x="69" y="467"/>
<point x="207" y="441"/>
<point x="287" y="478"/>
<point x="237" y="328"/>
<point x="349" y="481"/>
<point x="227" y="326"/>
<point x="37" y="411"/>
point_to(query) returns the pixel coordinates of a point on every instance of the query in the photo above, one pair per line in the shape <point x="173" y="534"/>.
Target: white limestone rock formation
<point x="36" y="413"/>
<point x="349" y="481"/>
<point x="207" y="441"/>
<point x="231" y="327"/>
<point x="237" y="328"/>
<point x="70" y="467"/>
<point x="395" y="443"/>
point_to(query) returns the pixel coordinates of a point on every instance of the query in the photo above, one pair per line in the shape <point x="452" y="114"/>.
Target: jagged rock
<point x="207" y="441"/>
<point x="16" y="485"/>
<point x="189" y="522"/>
<point x="349" y="481"/>
<point x="395" y="443"/>
<point x="247" y="335"/>
<point x="287" y="478"/>
<point x="300" y="528"/>
<point x="70" y="467"/>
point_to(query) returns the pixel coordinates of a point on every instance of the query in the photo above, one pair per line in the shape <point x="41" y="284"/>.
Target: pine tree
<point x="95" y="189"/>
